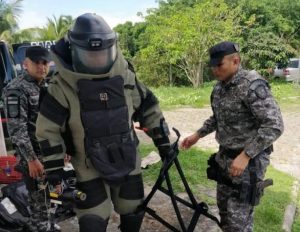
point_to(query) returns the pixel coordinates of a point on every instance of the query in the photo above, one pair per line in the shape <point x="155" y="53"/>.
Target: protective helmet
<point x="93" y="44"/>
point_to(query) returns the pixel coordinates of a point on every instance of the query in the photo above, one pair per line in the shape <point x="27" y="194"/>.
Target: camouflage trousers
<point x="235" y="215"/>
<point x="40" y="220"/>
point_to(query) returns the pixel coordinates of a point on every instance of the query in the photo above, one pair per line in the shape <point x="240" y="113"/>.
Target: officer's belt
<point x="233" y="153"/>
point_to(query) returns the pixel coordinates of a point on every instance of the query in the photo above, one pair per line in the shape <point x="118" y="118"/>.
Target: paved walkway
<point x="286" y="155"/>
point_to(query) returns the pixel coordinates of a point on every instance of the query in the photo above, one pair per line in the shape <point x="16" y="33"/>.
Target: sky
<point x="36" y="12"/>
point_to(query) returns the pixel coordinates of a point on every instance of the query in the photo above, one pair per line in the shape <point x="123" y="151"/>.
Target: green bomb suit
<point x="61" y="129"/>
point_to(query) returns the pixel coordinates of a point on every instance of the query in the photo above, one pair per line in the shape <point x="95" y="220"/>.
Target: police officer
<point x="247" y="121"/>
<point x="21" y="105"/>
<point x="89" y="112"/>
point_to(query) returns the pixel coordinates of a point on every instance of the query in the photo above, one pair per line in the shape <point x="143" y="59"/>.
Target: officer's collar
<point x="235" y="79"/>
<point x="29" y="78"/>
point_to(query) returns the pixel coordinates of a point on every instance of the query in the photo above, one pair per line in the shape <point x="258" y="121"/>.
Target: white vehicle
<point x="292" y="71"/>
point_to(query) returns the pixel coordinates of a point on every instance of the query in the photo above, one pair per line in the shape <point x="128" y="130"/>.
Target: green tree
<point x="128" y="36"/>
<point x="265" y="50"/>
<point x="270" y="32"/>
<point x="56" y="28"/>
<point x="9" y="13"/>
<point x="181" y="38"/>
<point x="29" y="34"/>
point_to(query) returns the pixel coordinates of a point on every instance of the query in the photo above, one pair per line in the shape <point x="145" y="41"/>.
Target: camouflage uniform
<point x="21" y="106"/>
<point x="245" y="117"/>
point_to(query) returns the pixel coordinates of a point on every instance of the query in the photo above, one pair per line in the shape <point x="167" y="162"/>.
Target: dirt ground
<point x="286" y="157"/>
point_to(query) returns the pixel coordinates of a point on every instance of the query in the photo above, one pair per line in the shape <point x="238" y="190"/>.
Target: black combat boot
<point x="132" y="222"/>
<point x="92" y="223"/>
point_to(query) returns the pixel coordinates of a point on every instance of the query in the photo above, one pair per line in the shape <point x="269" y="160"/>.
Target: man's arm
<point x="16" y="111"/>
<point x="268" y="116"/>
<point x="150" y="117"/>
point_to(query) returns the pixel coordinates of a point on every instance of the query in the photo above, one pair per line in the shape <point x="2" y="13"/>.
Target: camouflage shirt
<point x="21" y="104"/>
<point x="245" y="115"/>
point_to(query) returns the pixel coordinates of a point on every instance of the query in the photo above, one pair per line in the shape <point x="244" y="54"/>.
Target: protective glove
<point x="164" y="150"/>
<point x="163" y="146"/>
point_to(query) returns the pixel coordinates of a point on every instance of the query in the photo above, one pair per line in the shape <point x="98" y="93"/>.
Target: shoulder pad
<point x="14" y="92"/>
<point x="260" y="86"/>
<point x="258" y="82"/>
<point x="252" y="76"/>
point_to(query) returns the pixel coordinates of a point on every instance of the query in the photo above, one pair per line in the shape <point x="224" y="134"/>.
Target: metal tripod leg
<point x="199" y="208"/>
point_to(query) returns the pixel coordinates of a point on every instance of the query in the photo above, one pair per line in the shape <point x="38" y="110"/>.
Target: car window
<point x="2" y="70"/>
<point x="19" y="55"/>
<point x="294" y="64"/>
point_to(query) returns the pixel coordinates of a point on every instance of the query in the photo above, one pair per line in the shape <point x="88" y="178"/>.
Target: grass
<point x="296" y="225"/>
<point x="172" y="97"/>
<point x="268" y="215"/>
<point x="286" y="94"/>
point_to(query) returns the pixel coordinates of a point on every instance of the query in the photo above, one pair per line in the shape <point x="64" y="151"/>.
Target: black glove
<point x="55" y="177"/>
<point x="163" y="146"/>
<point x="164" y="150"/>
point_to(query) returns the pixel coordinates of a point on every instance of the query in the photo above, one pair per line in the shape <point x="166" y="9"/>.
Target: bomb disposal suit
<point x="88" y="113"/>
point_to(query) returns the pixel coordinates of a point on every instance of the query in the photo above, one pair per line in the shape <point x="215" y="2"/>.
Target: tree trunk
<point x="170" y="76"/>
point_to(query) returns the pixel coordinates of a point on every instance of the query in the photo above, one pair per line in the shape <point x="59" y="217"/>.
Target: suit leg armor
<point x="92" y="223"/>
<point x="132" y="222"/>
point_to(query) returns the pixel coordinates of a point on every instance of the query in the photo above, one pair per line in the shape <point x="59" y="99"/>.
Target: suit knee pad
<point x="132" y="222"/>
<point x="92" y="223"/>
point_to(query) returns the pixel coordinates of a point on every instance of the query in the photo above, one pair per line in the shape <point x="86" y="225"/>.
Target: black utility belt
<point x="233" y="153"/>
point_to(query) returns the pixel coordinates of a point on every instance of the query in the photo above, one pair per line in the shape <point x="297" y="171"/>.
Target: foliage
<point x="9" y="13"/>
<point x="181" y="38"/>
<point x="265" y="50"/>
<point x="129" y="37"/>
<point x="269" y="33"/>
<point x="56" y="28"/>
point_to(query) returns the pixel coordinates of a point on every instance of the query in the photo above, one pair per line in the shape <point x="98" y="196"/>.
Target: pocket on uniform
<point x="113" y="161"/>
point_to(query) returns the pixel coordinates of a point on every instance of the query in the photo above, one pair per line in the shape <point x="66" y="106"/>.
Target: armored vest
<point x="109" y="141"/>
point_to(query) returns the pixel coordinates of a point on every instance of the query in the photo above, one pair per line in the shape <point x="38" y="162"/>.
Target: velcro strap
<point x="48" y="150"/>
<point x="54" y="164"/>
<point x="53" y="110"/>
<point x="129" y="87"/>
<point x="95" y="193"/>
<point x="161" y="141"/>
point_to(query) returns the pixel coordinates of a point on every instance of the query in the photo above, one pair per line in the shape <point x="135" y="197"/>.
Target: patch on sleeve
<point x="13" y="103"/>
<point x="261" y="92"/>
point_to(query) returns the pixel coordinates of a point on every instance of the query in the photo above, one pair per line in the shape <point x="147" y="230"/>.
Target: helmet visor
<point x="93" y="61"/>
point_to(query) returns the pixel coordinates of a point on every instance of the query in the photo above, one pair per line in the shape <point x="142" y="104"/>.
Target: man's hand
<point x="189" y="141"/>
<point x="36" y="168"/>
<point x="239" y="164"/>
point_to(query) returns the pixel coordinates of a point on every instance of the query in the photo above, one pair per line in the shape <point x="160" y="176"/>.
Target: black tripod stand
<point x="199" y="208"/>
